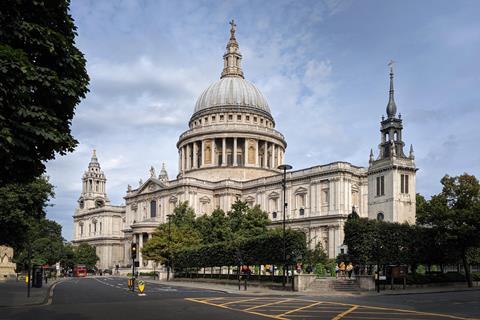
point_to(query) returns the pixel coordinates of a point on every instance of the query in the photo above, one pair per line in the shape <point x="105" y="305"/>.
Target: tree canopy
<point x="22" y="208"/>
<point x="43" y="79"/>
<point x="454" y="216"/>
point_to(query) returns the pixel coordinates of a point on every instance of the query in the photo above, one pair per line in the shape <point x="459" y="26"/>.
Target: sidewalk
<point x="14" y="293"/>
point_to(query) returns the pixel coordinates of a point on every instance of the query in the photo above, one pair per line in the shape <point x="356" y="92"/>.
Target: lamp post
<point x="284" y="167"/>
<point x="169" y="216"/>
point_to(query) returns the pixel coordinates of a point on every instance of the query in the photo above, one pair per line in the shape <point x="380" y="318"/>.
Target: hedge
<point x="264" y="249"/>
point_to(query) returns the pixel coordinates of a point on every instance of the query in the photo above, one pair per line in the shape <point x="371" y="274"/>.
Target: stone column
<point x="224" y="152"/>
<point x="189" y="159"/>
<point x="213" y="152"/>
<point x="331" y="242"/>
<point x="182" y="158"/>
<point x="235" y="152"/>
<point x="265" y="154"/>
<point x="140" y="246"/>
<point x="202" y="164"/>
<point x="256" y="153"/>
<point x="195" y="155"/>
<point x="245" y="153"/>
<point x="274" y="157"/>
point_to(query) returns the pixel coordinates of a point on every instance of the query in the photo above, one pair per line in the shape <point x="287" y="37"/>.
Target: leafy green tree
<point x="316" y="256"/>
<point x="67" y="258"/>
<point x="86" y="254"/>
<point x="168" y="239"/>
<point x="245" y="221"/>
<point x="43" y="79"/>
<point x="214" y="228"/>
<point x="21" y="206"/>
<point x="183" y="215"/>
<point x="455" y="215"/>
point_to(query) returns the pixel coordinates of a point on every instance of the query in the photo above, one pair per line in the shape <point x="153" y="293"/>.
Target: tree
<point x="164" y="241"/>
<point x="86" y="254"/>
<point x="183" y="215"/>
<point x="22" y="206"/>
<point x="247" y="222"/>
<point x="67" y="258"/>
<point x="43" y="79"/>
<point x="214" y="228"/>
<point x="454" y="214"/>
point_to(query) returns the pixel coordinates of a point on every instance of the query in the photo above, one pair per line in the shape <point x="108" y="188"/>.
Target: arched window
<point x="395" y="136"/>
<point x="153" y="209"/>
<point x="380" y="216"/>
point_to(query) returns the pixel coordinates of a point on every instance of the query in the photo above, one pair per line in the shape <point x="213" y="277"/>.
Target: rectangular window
<point x="404" y="183"/>
<point x="213" y="118"/>
<point x="153" y="209"/>
<point x="239" y="117"/>
<point x="221" y="117"/>
<point x="248" y="118"/>
<point x="230" y="117"/>
<point x="380" y="186"/>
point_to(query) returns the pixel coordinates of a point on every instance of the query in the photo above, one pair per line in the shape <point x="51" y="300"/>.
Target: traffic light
<point x="133" y="251"/>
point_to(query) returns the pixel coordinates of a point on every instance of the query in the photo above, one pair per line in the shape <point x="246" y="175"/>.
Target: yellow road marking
<point x="301" y="308"/>
<point x="343" y="314"/>
<point x="239" y="301"/>
<point x="416" y="312"/>
<point x="364" y="309"/>
<point x="266" y="305"/>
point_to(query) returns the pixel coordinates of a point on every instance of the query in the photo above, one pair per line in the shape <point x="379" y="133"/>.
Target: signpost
<point x="133" y="253"/>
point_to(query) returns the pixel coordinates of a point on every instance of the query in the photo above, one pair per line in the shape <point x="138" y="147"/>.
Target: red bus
<point x="80" y="271"/>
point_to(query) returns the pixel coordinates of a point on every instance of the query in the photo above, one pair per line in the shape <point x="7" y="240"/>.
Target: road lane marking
<point x="301" y="308"/>
<point x="238" y="301"/>
<point x="266" y="305"/>
<point x="343" y="314"/>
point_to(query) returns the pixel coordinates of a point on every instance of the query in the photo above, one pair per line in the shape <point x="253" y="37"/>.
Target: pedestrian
<point x="337" y="270"/>
<point x="342" y="269"/>
<point x="309" y="269"/>
<point x="350" y="270"/>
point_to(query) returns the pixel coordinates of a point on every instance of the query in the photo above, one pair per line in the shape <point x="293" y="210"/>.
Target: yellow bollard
<point x="141" y="286"/>
<point x="26" y="279"/>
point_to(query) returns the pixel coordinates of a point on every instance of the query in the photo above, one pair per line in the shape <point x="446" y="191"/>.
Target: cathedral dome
<point x="232" y="91"/>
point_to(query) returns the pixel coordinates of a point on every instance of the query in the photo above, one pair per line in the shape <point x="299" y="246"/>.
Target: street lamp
<point x="284" y="167"/>
<point x="169" y="216"/>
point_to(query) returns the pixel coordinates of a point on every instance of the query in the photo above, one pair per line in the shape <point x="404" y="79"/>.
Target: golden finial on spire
<point x="232" y="29"/>
<point x="94" y="153"/>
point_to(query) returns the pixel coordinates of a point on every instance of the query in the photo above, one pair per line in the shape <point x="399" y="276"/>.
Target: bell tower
<point x="94" y="194"/>
<point x="391" y="176"/>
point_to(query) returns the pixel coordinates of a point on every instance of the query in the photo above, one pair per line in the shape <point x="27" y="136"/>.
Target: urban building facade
<point x="231" y="152"/>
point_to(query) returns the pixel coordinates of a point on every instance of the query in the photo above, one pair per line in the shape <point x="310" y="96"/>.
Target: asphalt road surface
<point x="109" y="298"/>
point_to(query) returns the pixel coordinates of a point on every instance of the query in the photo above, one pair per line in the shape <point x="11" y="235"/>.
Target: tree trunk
<point x="466" y="267"/>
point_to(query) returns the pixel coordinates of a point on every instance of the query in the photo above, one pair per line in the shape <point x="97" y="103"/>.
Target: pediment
<point x="204" y="199"/>
<point x="249" y="199"/>
<point x="151" y="185"/>
<point x="301" y="190"/>
<point x="274" y="195"/>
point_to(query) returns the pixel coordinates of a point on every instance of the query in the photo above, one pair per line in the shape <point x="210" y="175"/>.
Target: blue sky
<point x="322" y="66"/>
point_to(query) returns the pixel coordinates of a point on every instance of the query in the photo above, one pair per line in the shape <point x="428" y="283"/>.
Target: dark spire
<point x="391" y="106"/>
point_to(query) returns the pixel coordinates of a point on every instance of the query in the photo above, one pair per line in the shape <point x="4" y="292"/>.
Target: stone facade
<point x="231" y="152"/>
<point x="7" y="266"/>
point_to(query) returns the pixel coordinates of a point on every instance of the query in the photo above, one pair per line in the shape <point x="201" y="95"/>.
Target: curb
<point x="47" y="300"/>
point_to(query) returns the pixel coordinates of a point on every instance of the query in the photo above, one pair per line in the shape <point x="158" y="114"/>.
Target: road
<point x="109" y="298"/>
